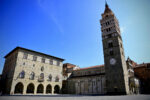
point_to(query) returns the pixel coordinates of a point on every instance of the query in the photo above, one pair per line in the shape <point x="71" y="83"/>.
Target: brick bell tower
<point x="114" y="58"/>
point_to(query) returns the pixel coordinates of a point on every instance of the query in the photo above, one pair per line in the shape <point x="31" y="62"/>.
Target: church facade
<point x="89" y="80"/>
<point x="30" y="72"/>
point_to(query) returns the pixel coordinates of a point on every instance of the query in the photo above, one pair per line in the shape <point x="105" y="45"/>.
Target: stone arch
<point x="57" y="89"/>
<point x="19" y="88"/>
<point x="49" y="89"/>
<point x="40" y="88"/>
<point x="30" y="88"/>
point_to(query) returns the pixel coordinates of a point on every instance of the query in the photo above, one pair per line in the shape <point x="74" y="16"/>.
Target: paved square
<point x="76" y="97"/>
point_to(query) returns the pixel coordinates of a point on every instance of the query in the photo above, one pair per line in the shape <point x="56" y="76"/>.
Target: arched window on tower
<point x="111" y="52"/>
<point x="110" y="44"/>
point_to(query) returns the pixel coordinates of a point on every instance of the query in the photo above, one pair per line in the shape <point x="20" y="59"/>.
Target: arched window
<point x="110" y="44"/>
<point x="32" y="76"/>
<point x="22" y="74"/>
<point x="50" y="77"/>
<point x="42" y="68"/>
<point x="111" y="52"/>
<point x="57" y="79"/>
<point x="41" y="77"/>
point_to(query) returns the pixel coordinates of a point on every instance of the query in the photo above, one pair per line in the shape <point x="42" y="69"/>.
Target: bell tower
<point x="115" y="65"/>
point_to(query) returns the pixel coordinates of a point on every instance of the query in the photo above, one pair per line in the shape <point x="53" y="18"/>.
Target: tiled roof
<point x="142" y="65"/>
<point x="31" y="51"/>
<point x="69" y="65"/>
<point x="91" y="67"/>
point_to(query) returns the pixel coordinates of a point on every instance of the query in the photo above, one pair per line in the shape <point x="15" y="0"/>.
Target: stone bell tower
<point x="114" y="58"/>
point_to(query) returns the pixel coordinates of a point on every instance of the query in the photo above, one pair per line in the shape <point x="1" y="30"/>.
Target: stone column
<point x="24" y="89"/>
<point x="12" y="90"/>
<point x="53" y="89"/>
<point x="35" y="89"/>
<point x="44" y="91"/>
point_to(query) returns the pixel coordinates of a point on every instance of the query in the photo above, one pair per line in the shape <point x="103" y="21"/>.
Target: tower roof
<point x="107" y="9"/>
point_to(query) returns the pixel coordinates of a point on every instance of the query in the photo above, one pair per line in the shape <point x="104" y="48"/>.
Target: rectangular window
<point x="25" y="56"/>
<point x="43" y="60"/>
<point x="122" y="53"/>
<point x="51" y="62"/>
<point x="107" y="30"/>
<point x="120" y="45"/>
<point x="34" y="58"/>
<point x="111" y="52"/>
<point x="58" y="63"/>
<point x="107" y="23"/>
<point x="109" y="36"/>
<point x="110" y="45"/>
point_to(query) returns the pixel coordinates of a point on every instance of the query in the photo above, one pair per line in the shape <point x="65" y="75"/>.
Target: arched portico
<point x="48" y="89"/>
<point x="57" y="89"/>
<point x="30" y="88"/>
<point x="19" y="88"/>
<point x="40" y="88"/>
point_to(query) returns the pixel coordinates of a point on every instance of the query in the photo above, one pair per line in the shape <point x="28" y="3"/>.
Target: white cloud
<point x="122" y="29"/>
<point x="49" y="9"/>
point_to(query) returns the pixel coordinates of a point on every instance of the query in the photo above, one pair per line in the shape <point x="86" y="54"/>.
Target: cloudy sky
<point x="70" y="29"/>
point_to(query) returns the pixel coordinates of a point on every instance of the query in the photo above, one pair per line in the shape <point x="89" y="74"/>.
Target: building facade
<point x="30" y="72"/>
<point x="142" y="72"/>
<point x="134" y="83"/>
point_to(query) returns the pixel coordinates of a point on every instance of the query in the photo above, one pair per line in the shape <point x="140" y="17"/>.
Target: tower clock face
<point x="112" y="61"/>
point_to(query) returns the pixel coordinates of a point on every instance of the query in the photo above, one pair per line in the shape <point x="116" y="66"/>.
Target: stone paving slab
<point x="75" y="97"/>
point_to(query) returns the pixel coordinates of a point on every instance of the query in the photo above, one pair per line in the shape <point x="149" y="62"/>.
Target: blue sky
<point x="70" y="29"/>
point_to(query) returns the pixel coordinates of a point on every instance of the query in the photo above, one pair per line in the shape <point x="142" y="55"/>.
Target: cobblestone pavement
<point x="75" y="97"/>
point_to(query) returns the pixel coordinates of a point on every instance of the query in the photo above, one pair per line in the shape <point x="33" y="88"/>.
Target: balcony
<point x="40" y="79"/>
